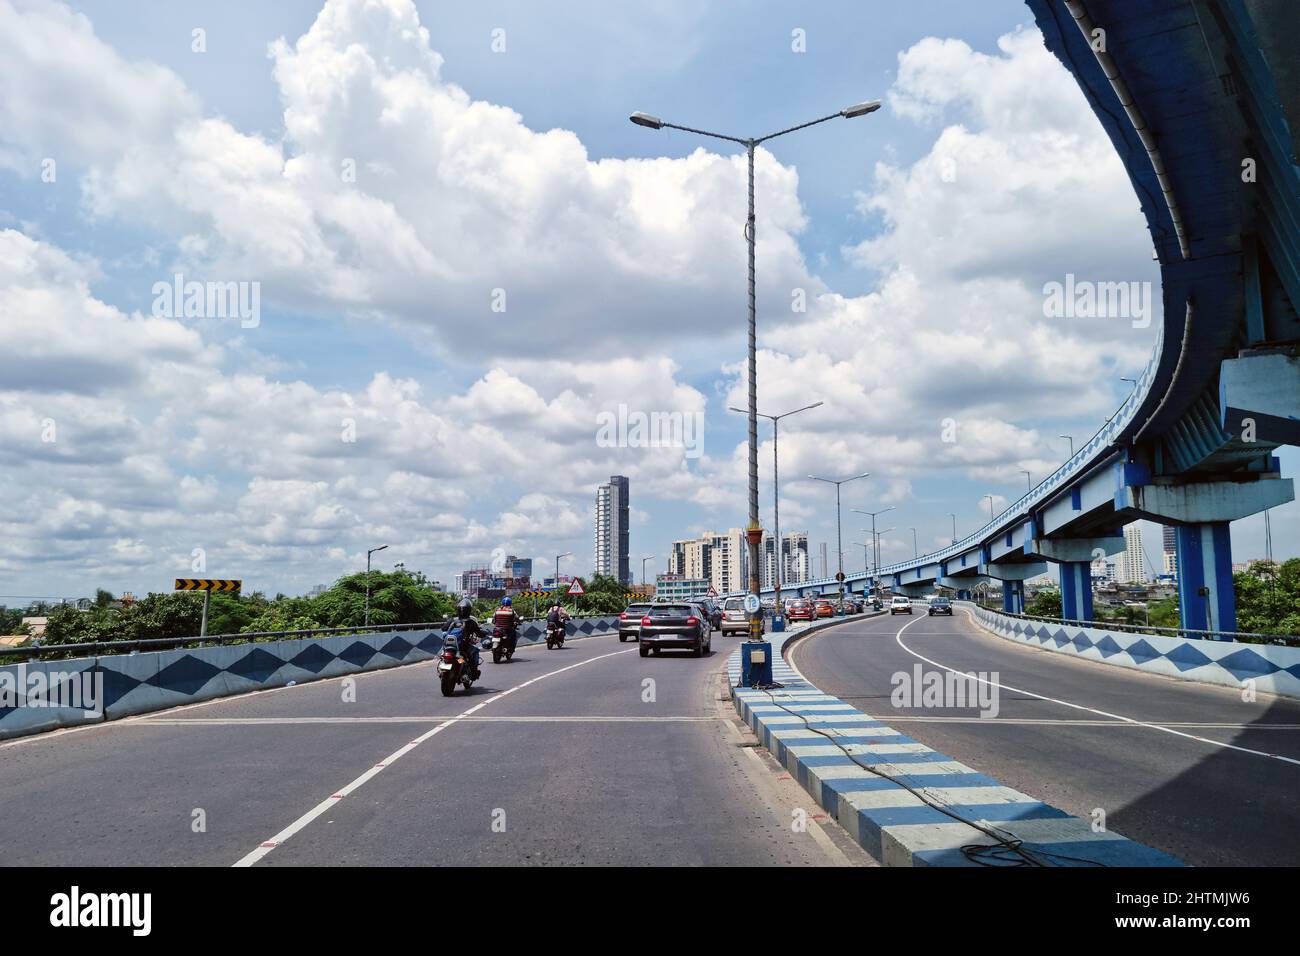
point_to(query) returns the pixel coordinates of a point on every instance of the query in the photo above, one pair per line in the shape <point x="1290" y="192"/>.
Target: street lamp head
<point x="861" y="109"/>
<point x="645" y="119"/>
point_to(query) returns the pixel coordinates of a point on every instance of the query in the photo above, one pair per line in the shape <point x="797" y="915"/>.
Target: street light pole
<point x="648" y="557"/>
<point x="1070" y="439"/>
<point x="916" y="549"/>
<point x="777" y="621"/>
<point x="368" y="554"/>
<point x="654" y="122"/>
<point x="990" y="498"/>
<point x="557" y="576"/>
<point x="1029" y="484"/>
<point x="875" y="545"/>
<point x="839" y="526"/>
<point x="953" y="516"/>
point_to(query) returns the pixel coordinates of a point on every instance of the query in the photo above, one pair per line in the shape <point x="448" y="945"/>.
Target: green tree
<point x="1046" y="603"/>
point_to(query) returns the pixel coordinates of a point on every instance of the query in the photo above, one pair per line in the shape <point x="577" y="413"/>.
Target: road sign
<point x="713" y="592"/>
<point x="576" y="587"/>
<point x="207" y="584"/>
<point x="751" y="603"/>
<point x="839" y="576"/>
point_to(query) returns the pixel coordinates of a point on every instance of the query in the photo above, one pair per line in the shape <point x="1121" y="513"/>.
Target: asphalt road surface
<point x="1206" y="803"/>
<point x="583" y="755"/>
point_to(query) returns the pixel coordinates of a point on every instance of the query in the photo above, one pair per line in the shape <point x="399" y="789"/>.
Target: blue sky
<point x="625" y="278"/>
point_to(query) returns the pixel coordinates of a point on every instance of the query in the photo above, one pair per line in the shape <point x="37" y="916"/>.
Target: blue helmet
<point x="505" y="602"/>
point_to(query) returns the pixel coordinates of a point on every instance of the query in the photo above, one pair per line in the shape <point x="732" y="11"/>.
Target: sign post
<point x="207" y="586"/>
<point x="577" y="591"/>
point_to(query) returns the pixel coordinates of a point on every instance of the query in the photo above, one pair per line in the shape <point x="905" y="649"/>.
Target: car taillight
<point x="623" y="616"/>
<point x="691" y="621"/>
<point x="646" y="620"/>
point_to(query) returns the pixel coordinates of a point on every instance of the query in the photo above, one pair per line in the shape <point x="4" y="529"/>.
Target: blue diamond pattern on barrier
<point x="1247" y="663"/>
<point x="1108" y="646"/>
<point x="185" y="675"/>
<point x="1142" y="652"/>
<point x="1082" y="642"/>
<point x="1060" y="638"/>
<point x="397" y="648"/>
<point x="1188" y="656"/>
<point x="117" y="685"/>
<point x="431" y="642"/>
<point x="257" y="665"/>
<point x="312" y="658"/>
<point x="358" y="653"/>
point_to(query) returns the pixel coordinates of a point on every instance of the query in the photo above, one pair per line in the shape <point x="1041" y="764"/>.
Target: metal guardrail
<point x="1239" y="637"/>
<point x="37" y="650"/>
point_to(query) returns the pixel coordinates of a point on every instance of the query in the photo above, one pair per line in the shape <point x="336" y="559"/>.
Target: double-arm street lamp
<point x="654" y="122"/>
<point x="839" y="528"/>
<point x="875" y="544"/>
<point x="777" y="623"/>
<point x="368" y="554"/>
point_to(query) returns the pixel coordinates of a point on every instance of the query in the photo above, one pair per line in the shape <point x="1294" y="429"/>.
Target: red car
<point x="799" y="610"/>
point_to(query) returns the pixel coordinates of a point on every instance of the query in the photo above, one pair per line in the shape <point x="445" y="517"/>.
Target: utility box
<point x="755" y="663"/>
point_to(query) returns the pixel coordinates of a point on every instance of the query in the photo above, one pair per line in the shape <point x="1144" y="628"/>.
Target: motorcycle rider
<point x="507" y="618"/>
<point x="557" y="617"/>
<point x="470" y="633"/>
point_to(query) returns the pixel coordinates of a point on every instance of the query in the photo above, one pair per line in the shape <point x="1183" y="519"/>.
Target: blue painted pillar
<point x="1206" y="601"/>
<point x="1076" y="590"/>
<point x="1013" y="597"/>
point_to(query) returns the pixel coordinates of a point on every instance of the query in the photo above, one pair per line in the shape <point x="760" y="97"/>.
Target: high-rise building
<point x="472" y="580"/>
<point x="825" y="566"/>
<point x="794" y="559"/>
<point x="1132" y="563"/>
<point x="1170" y="551"/>
<point x="720" y="559"/>
<point x="1103" y="571"/>
<point x="612" y="530"/>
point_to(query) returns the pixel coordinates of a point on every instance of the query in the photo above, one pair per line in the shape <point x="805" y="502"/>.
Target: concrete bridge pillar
<point x="1076" y="590"/>
<point x="1013" y="597"/>
<point x="1205" y="597"/>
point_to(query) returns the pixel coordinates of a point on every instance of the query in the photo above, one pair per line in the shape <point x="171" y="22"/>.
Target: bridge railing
<point x="1240" y="637"/>
<point x="41" y="651"/>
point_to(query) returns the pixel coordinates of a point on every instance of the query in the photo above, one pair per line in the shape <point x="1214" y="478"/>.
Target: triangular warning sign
<point x="576" y="587"/>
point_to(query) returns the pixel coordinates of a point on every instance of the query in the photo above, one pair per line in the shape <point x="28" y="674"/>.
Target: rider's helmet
<point x="505" y="602"/>
<point x="464" y="608"/>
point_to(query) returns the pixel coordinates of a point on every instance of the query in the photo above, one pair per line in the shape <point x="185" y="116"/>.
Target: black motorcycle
<point x="502" y="644"/>
<point x="554" y="635"/>
<point x="453" y="669"/>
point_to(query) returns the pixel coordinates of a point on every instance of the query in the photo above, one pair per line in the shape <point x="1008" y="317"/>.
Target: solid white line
<point x="268" y="845"/>
<point x="1092" y="710"/>
<point x="478" y="718"/>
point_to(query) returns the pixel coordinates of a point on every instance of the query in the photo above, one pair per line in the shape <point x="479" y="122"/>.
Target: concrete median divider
<point x="904" y="803"/>
<point x="128" y="685"/>
<point x="1271" y="668"/>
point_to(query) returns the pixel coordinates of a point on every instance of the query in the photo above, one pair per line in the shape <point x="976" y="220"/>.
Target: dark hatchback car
<point x="939" y="605"/>
<point x="675" y="626"/>
<point x="629" y="622"/>
<point x="712" y="612"/>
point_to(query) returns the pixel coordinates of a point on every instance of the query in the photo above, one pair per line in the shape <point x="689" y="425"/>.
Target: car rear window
<point x="671" y="610"/>
<point x="734" y="604"/>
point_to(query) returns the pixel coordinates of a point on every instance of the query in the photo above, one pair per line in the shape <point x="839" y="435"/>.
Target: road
<point x="1156" y="782"/>
<point x="560" y="757"/>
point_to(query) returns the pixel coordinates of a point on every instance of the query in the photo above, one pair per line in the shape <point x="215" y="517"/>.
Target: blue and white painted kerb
<point x="1274" y="669"/>
<point x="892" y="823"/>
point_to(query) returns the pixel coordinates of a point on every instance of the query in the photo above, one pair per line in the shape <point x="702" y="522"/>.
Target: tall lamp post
<point x="778" y="622"/>
<point x="839" y="529"/>
<point x="368" y="554"/>
<point x="990" y="498"/>
<point x="1070" y="439"/>
<point x="644" y="559"/>
<point x="953" y="516"/>
<point x="557" y="576"/>
<point x="654" y="122"/>
<point x="1029" y="482"/>
<point x="875" y="550"/>
<point x="916" y="548"/>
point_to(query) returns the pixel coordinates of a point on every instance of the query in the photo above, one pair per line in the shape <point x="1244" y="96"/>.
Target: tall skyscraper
<point x="825" y="565"/>
<point x="612" y="530"/>
<point x="1132" y="563"/>
<point x="1171" y="551"/>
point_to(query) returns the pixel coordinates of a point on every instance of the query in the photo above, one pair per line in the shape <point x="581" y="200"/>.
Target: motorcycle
<point x="554" y="635"/>
<point x="501" y="644"/>
<point x="452" y="668"/>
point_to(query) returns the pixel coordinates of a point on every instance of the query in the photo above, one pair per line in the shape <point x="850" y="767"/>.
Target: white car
<point x="900" y="605"/>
